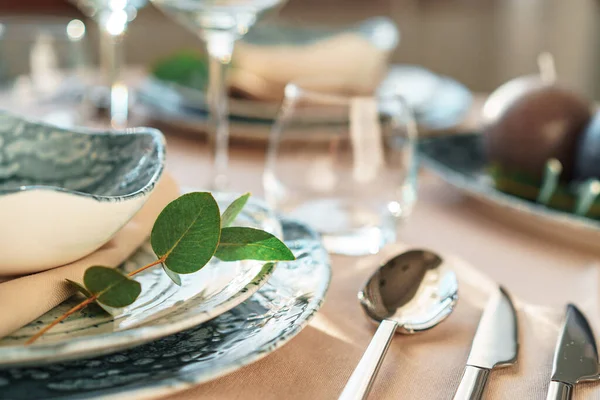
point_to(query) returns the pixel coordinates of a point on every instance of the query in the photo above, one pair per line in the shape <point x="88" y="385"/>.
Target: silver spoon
<point x="413" y="291"/>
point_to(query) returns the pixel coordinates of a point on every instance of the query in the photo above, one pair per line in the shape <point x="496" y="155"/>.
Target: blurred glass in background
<point x="344" y="165"/>
<point x="44" y="68"/>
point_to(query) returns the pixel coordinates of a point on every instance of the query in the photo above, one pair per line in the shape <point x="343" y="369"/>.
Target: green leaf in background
<point x="187" y="231"/>
<point x="233" y="210"/>
<point x="112" y="287"/>
<point x="80" y="288"/>
<point x="240" y="243"/>
<point x="172" y="275"/>
<point x="187" y="68"/>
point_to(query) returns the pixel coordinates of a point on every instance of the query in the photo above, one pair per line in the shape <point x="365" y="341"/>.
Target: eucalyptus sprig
<point x="187" y="234"/>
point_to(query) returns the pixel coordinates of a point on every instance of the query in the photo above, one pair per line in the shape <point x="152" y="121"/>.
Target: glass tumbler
<point x="344" y="165"/>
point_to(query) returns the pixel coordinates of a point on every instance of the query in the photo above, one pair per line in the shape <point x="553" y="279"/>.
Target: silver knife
<point x="575" y="356"/>
<point x="496" y="344"/>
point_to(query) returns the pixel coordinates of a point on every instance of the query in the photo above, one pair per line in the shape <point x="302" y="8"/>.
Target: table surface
<point x="317" y="363"/>
<point x="503" y="39"/>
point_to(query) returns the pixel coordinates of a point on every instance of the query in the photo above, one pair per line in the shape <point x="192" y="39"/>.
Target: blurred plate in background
<point x="460" y="160"/>
<point x="350" y="61"/>
<point x="439" y="103"/>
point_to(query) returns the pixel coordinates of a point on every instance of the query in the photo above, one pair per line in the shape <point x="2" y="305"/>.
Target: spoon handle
<point x="362" y="378"/>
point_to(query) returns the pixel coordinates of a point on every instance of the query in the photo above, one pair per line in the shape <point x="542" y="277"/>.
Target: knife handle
<point x="559" y="391"/>
<point x="362" y="378"/>
<point x="472" y="383"/>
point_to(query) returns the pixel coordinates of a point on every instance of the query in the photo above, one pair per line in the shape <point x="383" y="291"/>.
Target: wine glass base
<point x="358" y="243"/>
<point x="110" y="103"/>
<point x="349" y="227"/>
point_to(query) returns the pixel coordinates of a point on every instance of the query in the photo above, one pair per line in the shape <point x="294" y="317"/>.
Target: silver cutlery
<point x="495" y="345"/>
<point x="575" y="356"/>
<point x="412" y="292"/>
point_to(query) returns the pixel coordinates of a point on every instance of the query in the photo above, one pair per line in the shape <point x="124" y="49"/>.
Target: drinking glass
<point x="219" y="23"/>
<point x="112" y="17"/>
<point x="44" y="68"/>
<point x="344" y="165"/>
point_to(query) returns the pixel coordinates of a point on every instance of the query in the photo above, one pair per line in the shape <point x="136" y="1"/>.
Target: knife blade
<point x="575" y="356"/>
<point x="496" y="344"/>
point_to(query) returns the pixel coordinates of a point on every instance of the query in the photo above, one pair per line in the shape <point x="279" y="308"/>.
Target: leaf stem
<point x="78" y="307"/>
<point x="84" y="304"/>
<point x="145" y="267"/>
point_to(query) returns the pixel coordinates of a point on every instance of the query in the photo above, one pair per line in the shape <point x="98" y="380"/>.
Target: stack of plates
<point x="222" y="318"/>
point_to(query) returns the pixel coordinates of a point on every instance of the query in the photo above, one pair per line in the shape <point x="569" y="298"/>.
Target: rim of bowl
<point x="158" y="140"/>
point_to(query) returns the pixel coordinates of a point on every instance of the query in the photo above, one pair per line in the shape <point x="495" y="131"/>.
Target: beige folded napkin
<point x="24" y="299"/>
<point x="352" y="65"/>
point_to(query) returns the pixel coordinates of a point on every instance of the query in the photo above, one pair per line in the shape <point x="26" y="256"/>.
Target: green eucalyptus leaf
<point x="188" y="68"/>
<point x="233" y="210"/>
<point x="112" y="287"/>
<point x="80" y="288"/>
<point x="187" y="232"/>
<point x="173" y="275"/>
<point x="241" y="243"/>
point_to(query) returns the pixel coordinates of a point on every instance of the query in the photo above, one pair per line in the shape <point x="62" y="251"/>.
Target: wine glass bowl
<point x="208" y="17"/>
<point x="219" y="23"/>
<point x="113" y="13"/>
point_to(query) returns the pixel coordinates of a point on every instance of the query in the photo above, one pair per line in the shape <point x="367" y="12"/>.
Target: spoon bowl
<point x="414" y="289"/>
<point x="410" y="293"/>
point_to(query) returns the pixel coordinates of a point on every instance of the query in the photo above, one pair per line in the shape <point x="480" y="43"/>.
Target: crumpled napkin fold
<point x="26" y="298"/>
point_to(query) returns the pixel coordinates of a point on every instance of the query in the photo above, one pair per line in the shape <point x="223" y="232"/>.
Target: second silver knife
<point x="575" y="356"/>
<point x="496" y="344"/>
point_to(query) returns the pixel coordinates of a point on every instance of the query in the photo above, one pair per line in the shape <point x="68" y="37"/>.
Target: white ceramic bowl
<point x="65" y="192"/>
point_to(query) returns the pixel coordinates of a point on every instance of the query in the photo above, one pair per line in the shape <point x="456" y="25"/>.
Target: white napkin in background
<point x="352" y="64"/>
<point x="24" y="299"/>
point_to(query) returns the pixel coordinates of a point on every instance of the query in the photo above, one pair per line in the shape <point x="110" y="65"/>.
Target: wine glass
<point x="112" y="16"/>
<point x="344" y="165"/>
<point x="219" y="23"/>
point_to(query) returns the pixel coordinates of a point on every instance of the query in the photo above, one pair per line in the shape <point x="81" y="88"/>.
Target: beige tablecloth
<point x="541" y="274"/>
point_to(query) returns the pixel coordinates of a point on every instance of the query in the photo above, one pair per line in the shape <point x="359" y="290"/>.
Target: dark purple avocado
<point x="543" y="123"/>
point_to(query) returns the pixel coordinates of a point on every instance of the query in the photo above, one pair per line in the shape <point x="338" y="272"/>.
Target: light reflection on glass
<point x="75" y="30"/>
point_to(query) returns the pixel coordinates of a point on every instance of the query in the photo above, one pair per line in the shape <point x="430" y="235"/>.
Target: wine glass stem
<point x="111" y="56"/>
<point x="220" y="49"/>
